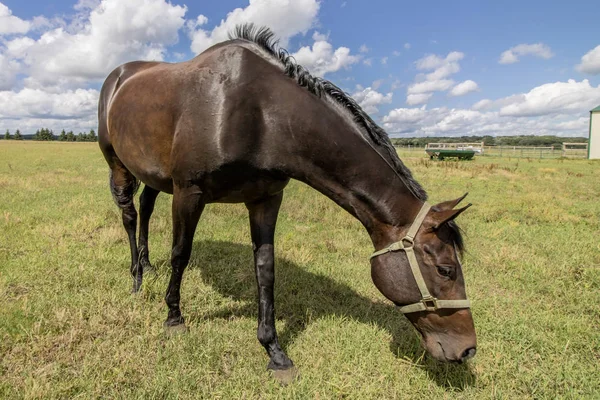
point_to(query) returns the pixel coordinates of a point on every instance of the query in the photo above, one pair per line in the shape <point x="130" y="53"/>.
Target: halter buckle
<point x="430" y="303"/>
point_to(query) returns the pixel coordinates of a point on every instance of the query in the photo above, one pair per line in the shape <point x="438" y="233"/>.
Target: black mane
<point x="265" y="38"/>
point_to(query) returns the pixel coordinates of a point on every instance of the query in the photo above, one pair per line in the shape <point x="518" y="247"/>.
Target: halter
<point x="406" y="244"/>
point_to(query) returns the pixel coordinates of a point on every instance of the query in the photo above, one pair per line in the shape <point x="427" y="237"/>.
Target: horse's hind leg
<point x="123" y="186"/>
<point x="263" y="217"/>
<point x="147" y="200"/>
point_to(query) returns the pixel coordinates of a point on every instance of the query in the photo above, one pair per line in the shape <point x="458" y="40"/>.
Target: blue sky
<point x="428" y="68"/>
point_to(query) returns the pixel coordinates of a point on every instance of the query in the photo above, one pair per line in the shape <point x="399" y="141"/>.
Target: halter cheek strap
<point x="406" y="244"/>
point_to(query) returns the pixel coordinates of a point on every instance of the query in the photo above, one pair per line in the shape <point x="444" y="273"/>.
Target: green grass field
<point x="69" y="328"/>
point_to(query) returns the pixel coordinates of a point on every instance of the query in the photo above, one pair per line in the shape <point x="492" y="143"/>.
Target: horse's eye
<point x="444" y="271"/>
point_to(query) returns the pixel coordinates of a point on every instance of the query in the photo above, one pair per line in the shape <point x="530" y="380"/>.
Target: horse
<point x="234" y="125"/>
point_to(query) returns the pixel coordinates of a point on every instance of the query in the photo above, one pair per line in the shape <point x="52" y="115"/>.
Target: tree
<point x="7" y="135"/>
<point x="70" y="136"/>
<point x="63" y="136"/>
<point x="92" y="136"/>
<point x="18" y="135"/>
<point x="44" y="134"/>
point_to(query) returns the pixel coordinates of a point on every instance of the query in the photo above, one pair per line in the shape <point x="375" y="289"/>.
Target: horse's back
<point x="184" y="121"/>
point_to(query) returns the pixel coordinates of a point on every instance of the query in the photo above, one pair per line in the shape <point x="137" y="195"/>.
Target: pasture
<point x="69" y="328"/>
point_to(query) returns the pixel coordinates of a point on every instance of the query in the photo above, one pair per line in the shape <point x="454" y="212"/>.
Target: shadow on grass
<point x="302" y="296"/>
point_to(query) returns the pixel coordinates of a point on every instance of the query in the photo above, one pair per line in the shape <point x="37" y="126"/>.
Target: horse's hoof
<point x="285" y="376"/>
<point x="174" y="330"/>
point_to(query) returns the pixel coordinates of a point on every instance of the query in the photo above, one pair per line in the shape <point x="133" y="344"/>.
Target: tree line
<point x="47" y="135"/>
<point x="538" y="141"/>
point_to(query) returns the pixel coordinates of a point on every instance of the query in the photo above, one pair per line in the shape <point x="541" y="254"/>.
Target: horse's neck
<point x="345" y="168"/>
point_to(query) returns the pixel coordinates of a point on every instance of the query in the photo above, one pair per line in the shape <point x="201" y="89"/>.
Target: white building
<point x="594" y="141"/>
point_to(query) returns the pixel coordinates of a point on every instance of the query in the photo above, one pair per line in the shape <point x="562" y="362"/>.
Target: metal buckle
<point x="430" y="303"/>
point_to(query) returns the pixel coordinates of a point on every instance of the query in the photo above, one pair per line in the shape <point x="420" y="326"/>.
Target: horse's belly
<point x="232" y="191"/>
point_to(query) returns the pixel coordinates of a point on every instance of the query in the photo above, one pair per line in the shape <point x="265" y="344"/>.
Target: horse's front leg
<point x="263" y="217"/>
<point x="187" y="208"/>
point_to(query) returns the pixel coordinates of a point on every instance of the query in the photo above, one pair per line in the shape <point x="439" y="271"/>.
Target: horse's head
<point x="422" y="274"/>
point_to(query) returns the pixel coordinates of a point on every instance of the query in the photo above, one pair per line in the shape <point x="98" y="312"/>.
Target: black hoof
<point x="285" y="376"/>
<point x="137" y="288"/>
<point x="175" y="327"/>
<point x="147" y="267"/>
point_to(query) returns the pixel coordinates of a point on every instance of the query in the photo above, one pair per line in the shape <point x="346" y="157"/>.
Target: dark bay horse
<point x="235" y="124"/>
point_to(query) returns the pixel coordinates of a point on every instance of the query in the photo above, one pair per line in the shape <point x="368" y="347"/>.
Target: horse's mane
<point x="265" y="38"/>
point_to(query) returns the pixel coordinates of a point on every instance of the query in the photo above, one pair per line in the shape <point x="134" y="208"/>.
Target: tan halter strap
<point x="406" y="244"/>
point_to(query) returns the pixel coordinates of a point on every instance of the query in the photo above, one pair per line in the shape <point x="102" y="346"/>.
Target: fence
<point x="571" y="151"/>
<point x="575" y="150"/>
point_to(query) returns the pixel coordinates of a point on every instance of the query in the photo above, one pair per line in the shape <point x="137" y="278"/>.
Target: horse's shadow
<point x="301" y="296"/>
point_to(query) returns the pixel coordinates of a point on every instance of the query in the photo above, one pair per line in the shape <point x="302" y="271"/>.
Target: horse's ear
<point x="443" y="216"/>
<point x="450" y="204"/>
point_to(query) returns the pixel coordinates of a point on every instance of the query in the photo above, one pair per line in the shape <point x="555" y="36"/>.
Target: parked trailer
<point x="441" y="154"/>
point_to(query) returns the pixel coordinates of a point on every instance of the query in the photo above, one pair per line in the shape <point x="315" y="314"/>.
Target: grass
<point x="70" y="329"/>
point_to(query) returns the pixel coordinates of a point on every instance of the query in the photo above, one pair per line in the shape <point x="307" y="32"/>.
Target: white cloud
<point x="363" y="49"/>
<point x="384" y="60"/>
<point x="430" y="86"/>
<point x="368" y="62"/>
<point x="369" y="99"/>
<point x="434" y="61"/>
<point x="321" y="58"/>
<point x="8" y="72"/>
<point x="396" y="53"/>
<point x="590" y="62"/>
<point x="377" y="83"/>
<point x="9" y="24"/>
<point x="463" y="88"/>
<point x="512" y="55"/>
<point x="483" y="104"/>
<point x="286" y="18"/>
<point x="115" y="32"/>
<point x="436" y="81"/>
<point x="458" y="122"/>
<point x="407" y="46"/>
<point x="554" y="98"/>
<point x="31" y="109"/>
<point x="416" y="99"/>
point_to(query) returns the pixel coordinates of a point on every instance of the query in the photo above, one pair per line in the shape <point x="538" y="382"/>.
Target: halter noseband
<point x="406" y="244"/>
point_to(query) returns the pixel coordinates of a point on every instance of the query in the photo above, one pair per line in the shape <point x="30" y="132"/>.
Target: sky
<point x="418" y="68"/>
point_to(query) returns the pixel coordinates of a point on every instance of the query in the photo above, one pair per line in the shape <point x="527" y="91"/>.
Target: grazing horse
<point x="235" y="124"/>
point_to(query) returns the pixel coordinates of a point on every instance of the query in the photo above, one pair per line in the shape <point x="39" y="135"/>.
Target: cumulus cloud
<point x="430" y="86"/>
<point x="9" y="24"/>
<point x="416" y="99"/>
<point x="369" y="99"/>
<point x="590" y="62"/>
<point x="445" y="121"/>
<point x="8" y="72"/>
<point x="558" y="108"/>
<point x="115" y="32"/>
<point x="436" y="81"/>
<point x="554" y="98"/>
<point x="31" y="109"/>
<point x="512" y="55"/>
<point x="463" y="88"/>
<point x="321" y="58"/>
<point x="286" y="18"/>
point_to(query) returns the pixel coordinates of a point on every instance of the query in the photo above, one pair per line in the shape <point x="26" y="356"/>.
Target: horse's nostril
<point x="469" y="353"/>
